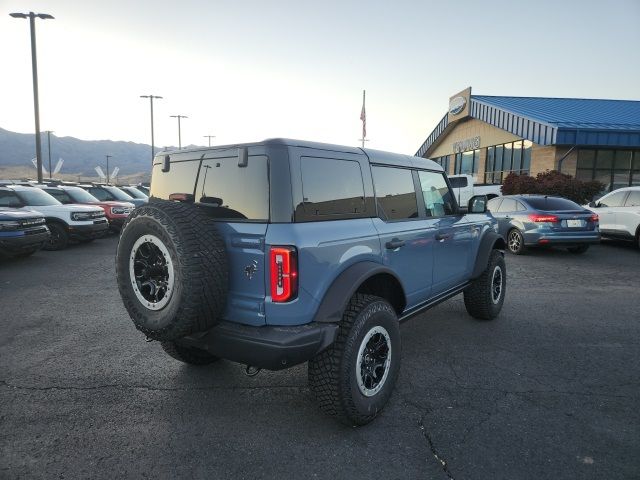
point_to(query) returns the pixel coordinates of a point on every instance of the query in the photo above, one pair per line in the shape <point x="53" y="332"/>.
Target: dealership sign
<point x="456" y="105"/>
<point x="468" y="144"/>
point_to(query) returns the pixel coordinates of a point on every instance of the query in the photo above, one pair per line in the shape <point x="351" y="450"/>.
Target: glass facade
<point x="505" y="159"/>
<point x="467" y="163"/>
<point x="443" y="162"/>
<point x="614" y="168"/>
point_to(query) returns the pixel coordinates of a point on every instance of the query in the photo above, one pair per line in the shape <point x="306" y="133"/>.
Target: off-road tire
<point x="59" y="238"/>
<point x="515" y="241"/>
<point x="479" y="297"/>
<point x="578" y="249"/>
<point x="190" y="355"/>
<point x="332" y="373"/>
<point x="198" y="257"/>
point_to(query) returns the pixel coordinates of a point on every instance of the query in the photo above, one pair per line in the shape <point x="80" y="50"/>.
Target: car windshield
<point x="549" y="204"/>
<point x="34" y="197"/>
<point x="134" y="192"/>
<point x="116" y="192"/>
<point x="80" y="195"/>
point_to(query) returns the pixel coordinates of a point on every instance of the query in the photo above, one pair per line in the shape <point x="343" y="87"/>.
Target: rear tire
<point x="354" y="378"/>
<point x="515" y="242"/>
<point x="190" y="355"/>
<point x="484" y="298"/>
<point x="58" y="238"/>
<point x="579" y="249"/>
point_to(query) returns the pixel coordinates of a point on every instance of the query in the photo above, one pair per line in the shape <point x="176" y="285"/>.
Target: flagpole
<point x="363" y="117"/>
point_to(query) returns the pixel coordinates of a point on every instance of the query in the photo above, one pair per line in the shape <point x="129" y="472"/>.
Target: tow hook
<point x="251" y="371"/>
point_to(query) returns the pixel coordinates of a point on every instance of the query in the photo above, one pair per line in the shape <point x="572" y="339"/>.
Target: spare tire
<point x="172" y="270"/>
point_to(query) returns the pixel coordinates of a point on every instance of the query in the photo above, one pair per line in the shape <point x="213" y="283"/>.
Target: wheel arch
<point x="490" y="241"/>
<point x="57" y="220"/>
<point x="363" y="277"/>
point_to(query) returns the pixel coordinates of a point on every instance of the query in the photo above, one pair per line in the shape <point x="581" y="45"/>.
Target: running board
<point x="452" y="292"/>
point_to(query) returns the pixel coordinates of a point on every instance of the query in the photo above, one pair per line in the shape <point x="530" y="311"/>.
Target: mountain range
<point x="80" y="156"/>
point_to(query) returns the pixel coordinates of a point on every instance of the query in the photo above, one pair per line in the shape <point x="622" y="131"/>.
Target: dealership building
<point x="490" y="136"/>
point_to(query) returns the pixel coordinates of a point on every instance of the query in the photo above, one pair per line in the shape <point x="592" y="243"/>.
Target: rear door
<point x="406" y="237"/>
<point x="607" y="208"/>
<point x="628" y="216"/>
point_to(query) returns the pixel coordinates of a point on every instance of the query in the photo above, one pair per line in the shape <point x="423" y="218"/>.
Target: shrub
<point x="552" y="183"/>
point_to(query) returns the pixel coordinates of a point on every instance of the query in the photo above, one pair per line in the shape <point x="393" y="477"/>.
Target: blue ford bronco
<point x="281" y="252"/>
<point x="22" y="232"/>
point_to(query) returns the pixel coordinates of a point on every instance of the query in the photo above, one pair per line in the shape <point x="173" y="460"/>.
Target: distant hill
<point x="80" y="156"/>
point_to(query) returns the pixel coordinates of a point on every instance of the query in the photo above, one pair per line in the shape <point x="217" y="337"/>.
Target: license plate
<point x="574" y="223"/>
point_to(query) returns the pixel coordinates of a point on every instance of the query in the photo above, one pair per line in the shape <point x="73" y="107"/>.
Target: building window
<point x="467" y="163"/>
<point x="614" y="168"/>
<point x="443" y="162"/>
<point x="509" y="158"/>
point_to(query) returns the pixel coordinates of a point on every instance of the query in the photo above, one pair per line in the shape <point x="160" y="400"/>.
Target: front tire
<point x="58" y="238"/>
<point x="515" y="242"/>
<point x="484" y="298"/>
<point x="354" y="378"/>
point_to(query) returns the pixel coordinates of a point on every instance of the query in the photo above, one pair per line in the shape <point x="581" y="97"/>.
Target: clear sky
<point x="249" y="70"/>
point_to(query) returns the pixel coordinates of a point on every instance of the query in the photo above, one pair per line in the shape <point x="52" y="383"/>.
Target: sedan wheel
<point x="515" y="242"/>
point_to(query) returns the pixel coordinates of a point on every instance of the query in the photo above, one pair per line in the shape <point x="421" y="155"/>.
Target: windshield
<point x="34" y="197"/>
<point x="119" y="194"/>
<point x="134" y="192"/>
<point x="79" y="195"/>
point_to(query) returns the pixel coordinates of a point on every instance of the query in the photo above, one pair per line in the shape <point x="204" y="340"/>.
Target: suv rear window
<point x="549" y="204"/>
<point x="238" y="192"/>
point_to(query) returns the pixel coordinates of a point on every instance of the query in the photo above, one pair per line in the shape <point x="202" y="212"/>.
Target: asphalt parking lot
<point x="550" y="389"/>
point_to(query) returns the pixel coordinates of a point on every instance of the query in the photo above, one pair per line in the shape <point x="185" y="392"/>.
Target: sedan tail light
<point x="535" y="217"/>
<point x="284" y="273"/>
<point x="594" y="218"/>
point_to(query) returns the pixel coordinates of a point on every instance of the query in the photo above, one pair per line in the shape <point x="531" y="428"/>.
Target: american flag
<point x="363" y="117"/>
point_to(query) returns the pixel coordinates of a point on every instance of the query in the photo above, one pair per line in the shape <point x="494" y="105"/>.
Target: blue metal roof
<point x="557" y="121"/>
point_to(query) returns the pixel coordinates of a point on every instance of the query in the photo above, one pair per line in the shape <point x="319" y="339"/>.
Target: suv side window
<point x="633" y="200"/>
<point x="494" y="204"/>
<point x="59" y="195"/>
<point x="395" y="193"/>
<point x="331" y="186"/>
<point x="614" y="200"/>
<point x="520" y="207"/>
<point x="508" y="205"/>
<point x="99" y="193"/>
<point x="438" y="200"/>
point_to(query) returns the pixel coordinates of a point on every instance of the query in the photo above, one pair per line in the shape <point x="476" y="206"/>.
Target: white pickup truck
<point x="464" y="189"/>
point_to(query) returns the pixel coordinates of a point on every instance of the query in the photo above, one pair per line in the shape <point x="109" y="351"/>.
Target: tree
<point x="552" y="183"/>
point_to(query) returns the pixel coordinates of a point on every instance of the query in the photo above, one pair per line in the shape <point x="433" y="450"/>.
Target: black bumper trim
<point x="95" y="230"/>
<point x="23" y="243"/>
<point x="268" y="347"/>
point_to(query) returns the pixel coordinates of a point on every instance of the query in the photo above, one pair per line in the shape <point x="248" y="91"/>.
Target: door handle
<point x="394" y="243"/>
<point x="442" y="236"/>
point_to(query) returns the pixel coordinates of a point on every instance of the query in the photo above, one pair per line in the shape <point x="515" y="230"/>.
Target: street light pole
<point x="34" y="67"/>
<point x="49" y="132"/>
<point x="209" y="137"/>
<point x="108" y="157"/>
<point x="179" y="133"/>
<point x="151" y="97"/>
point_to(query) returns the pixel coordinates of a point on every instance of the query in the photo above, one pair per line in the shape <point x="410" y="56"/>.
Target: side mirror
<point x="477" y="204"/>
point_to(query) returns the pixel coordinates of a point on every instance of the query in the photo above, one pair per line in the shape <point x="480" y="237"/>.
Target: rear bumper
<point x="95" y="230"/>
<point x="268" y="347"/>
<point x="561" y="238"/>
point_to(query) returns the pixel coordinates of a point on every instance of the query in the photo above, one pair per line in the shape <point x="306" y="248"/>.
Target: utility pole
<point x="179" y="134"/>
<point x="151" y="97"/>
<point x="108" y="157"/>
<point x="34" y="68"/>
<point x="49" y="132"/>
<point x="209" y="137"/>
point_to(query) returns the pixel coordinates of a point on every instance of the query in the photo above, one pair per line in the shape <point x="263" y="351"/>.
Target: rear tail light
<point x="594" y="218"/>
<point x="284" y="273"/>
<point x="535" y="217"/>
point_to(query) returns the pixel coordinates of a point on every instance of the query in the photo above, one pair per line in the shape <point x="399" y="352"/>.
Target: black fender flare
<point x="344" y="286"/>
<point x="490" y="241"/>
<point x="57" y="220"/>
